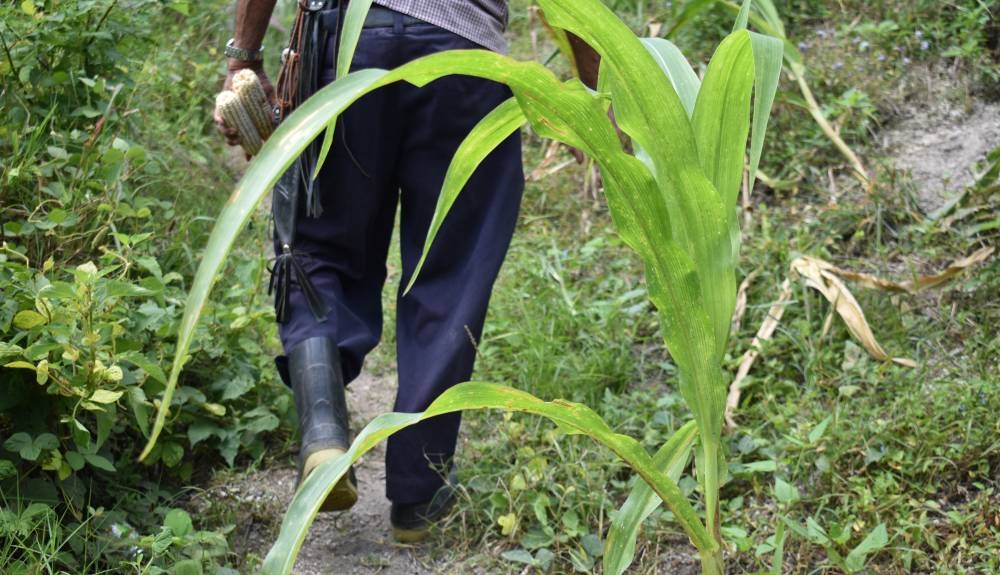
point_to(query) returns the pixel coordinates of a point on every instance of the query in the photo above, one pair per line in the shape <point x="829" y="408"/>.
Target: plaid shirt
<point x="482" y="21"/>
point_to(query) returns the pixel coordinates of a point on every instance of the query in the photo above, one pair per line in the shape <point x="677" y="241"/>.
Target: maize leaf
<point x="673" y="63"/>
<point x="574" y="417"/>
<point x="671" y="458"/>
<point x="489" y="133"/>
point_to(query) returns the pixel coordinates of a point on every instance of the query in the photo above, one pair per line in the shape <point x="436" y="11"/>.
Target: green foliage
<point x="577" y="316"/>
<point x="36" y="539"/>
<point x="669" y="202"/>
<point x="96" y="230"/>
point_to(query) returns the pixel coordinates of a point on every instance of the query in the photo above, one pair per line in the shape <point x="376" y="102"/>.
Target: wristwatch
<point x="243" y="54"/>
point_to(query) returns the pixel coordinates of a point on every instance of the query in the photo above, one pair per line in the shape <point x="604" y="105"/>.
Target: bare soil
<point x="940" y="145"/>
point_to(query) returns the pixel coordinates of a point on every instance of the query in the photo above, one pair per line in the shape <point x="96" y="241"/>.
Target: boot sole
<point x="345" y="494"/>
<point x="401" y="535"/>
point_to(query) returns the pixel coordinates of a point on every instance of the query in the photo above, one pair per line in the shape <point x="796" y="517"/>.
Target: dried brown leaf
<point x="820" y="275"/>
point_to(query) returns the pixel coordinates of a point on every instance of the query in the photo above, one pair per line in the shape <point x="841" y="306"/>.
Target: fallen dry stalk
<point x="763" y="334"/>
<point x="741" y="302"/>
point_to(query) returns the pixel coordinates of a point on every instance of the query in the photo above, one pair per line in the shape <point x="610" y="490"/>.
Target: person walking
<point x="391" y="149"/>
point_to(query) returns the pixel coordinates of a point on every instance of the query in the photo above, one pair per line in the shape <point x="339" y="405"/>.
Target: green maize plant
<point x="673" y="201"/>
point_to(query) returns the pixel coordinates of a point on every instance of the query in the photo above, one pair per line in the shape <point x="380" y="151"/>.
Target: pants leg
<point x="441" y="319"/>
<point x="395" y="146"/>
<point x="344" y="249"/>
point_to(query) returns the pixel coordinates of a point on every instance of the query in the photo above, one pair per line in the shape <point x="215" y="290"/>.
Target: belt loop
<point x="397" y="22"/>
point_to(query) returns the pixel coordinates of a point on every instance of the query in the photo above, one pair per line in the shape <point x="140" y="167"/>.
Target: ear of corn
<point x="245" y="109"/>
<point x="247" y="86"/>
<point x="236" y="116"/>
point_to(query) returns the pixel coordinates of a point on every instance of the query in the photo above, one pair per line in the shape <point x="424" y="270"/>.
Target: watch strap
<point x="243" y="54"/>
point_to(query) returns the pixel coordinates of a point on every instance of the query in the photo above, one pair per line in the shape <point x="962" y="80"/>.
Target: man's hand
<point x="228" y="132"/>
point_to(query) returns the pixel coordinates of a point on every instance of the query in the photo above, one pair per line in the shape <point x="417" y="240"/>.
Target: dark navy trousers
<point x="393" y="148"/>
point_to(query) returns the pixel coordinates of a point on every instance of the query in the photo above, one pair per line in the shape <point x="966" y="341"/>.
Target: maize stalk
<point x="247" y="86"/>
<point x="236" y="116"/>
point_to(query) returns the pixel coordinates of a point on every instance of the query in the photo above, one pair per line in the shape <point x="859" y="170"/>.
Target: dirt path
<point x="356" y="542"/>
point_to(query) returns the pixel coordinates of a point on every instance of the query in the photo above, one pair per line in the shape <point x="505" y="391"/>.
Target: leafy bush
<point x="93" y="268"/>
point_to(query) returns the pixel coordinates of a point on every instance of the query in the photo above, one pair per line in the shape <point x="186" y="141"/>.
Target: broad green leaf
<point x="785" y="492"/>
<point x="722" y="122"/>
<point x="21" y="365"/>
<point x="722" y="115"/>
<point x="673" y="63"/>
<point x="99" y="461"/>
<point x="489" y="133"/>
<point x="147" y="365"/>
<point x="106" y="396"/>
<point x="114" y="288"/>
<point x="18" y="441"/>
<point x="817" y="432"/>
<point x="647" y="108"/>
<point x="28" y="319"/>
<point x="876" y="540"/>
<point x="179" y="522"/>
<point x="305" y="505"/>
<point x="671" y="458"/>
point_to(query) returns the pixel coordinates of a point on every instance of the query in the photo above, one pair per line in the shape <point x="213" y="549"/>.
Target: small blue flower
<point x="803" y="46"/>
<point x="838" y="65"/>
<point x="906" y="61"/>
<point x="821" y="33"/>
<point x="925" y="45"/>
<point x="881" y="57"/>
<point x="863" y="46"/>
<point x="919" y="35"/>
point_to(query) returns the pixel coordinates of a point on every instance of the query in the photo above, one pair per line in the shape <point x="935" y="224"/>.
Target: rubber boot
<point x="318" y="385"/>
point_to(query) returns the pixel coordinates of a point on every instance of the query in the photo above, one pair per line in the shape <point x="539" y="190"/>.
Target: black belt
<point x="377" y="17"/>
